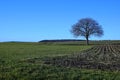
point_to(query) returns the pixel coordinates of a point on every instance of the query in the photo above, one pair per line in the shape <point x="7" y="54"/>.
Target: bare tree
<point x="87" y="27"/>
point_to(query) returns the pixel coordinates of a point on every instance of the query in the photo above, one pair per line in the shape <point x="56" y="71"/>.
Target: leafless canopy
<point x="87" y="27"/>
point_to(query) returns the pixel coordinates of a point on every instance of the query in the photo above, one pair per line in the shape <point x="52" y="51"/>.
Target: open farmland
<point x="25" y="61"/>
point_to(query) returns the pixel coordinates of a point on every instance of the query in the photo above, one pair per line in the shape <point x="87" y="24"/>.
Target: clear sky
<point x="35" y="20"/>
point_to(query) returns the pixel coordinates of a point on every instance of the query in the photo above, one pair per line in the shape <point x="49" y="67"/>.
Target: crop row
<point x="98" y="57"/>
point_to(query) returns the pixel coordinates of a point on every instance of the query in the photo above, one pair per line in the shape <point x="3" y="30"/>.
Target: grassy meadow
<point x="24" y="61"/>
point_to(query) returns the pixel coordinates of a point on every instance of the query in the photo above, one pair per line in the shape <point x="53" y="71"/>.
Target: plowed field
<point x="104" y="57"/>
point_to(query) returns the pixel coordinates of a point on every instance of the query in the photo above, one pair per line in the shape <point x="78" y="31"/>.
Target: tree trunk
<point x="87" y="41"/>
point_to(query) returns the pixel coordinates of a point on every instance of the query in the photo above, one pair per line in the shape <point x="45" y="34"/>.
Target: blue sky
<point x="35" y="20"/>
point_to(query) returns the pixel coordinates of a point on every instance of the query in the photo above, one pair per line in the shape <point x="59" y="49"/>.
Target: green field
<point x="24" y="61"/>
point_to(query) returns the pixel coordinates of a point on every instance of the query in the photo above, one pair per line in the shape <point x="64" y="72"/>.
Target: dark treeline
<point x="61" y="40"/>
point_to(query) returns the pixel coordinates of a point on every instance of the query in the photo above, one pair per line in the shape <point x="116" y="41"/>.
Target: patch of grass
<point x="25" y="71"/>
<point x="23" y="61"/>
<point x="17" y="51"/>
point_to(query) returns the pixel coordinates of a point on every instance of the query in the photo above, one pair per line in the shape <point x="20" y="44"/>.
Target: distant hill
<point x="61" y="40"/>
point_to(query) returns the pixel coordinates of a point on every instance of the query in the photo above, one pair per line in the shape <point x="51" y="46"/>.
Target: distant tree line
<point x="61" y="40"/>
